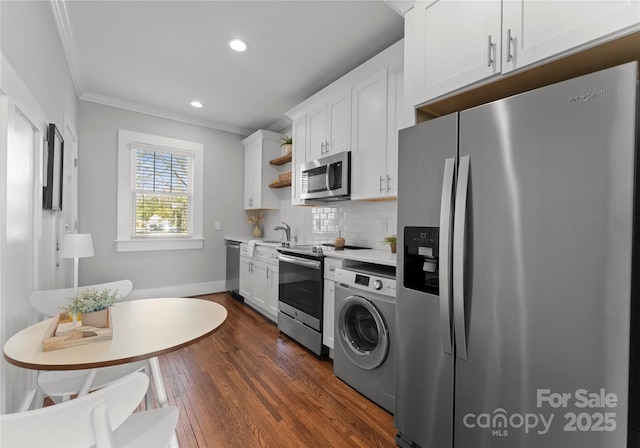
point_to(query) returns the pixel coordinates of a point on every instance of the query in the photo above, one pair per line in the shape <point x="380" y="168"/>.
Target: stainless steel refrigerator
<point x="517" y="306"/>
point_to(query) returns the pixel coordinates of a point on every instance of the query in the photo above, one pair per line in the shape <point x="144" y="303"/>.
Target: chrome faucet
<point x="287" y="232"/>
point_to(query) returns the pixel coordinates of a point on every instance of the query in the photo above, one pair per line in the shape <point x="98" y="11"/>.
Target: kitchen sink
<point x="270" y="241"/>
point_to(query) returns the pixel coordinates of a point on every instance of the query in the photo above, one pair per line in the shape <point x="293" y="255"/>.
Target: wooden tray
<point x="74" y="335"/>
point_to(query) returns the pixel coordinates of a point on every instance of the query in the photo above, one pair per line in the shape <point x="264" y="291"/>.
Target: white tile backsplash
<point x="360" y="223"/>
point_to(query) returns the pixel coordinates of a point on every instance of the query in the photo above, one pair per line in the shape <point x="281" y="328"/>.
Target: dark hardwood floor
<point x="247" y="386"/>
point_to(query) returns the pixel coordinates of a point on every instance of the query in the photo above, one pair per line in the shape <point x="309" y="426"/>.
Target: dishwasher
<point x="233" y="269"/>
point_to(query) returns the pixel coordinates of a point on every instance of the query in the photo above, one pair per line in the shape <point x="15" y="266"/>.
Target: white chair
<point x="60" y="385"/>
<point x="104" y="418"/>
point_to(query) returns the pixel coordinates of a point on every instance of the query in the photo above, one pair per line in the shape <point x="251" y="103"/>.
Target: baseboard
<point x="187" y="290"/>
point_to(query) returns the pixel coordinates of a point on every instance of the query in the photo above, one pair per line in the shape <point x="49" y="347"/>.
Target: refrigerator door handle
<point x="444" y="279"/>
<point x="459" y="229"/>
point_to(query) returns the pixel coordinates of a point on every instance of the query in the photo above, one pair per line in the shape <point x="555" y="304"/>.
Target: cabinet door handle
<point x="490" y="57"/>
<point x="388" y="183"/>
<point x="322" y="148"/>
<point x="509" y="42"/>
<point x="267" y="272"/>
<point x="326" y="146"/>
<point x="381" y="180"/>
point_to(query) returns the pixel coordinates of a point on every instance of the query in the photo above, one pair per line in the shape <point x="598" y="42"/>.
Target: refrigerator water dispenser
<point x="421" y="245"/>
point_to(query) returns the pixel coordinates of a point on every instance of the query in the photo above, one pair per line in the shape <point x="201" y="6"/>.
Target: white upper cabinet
<point x="259" y="148"/>
<point x="450" y="44"/>
<point x="329" y="128"/>
<point x="454" y="45"/>
<point x="338" y="124"/>
<point x="537" y="29"/>
<point x="316" y="127"/>
<point x="369" y="177"/>
<point x="360" y="112"/>
<point x="378" y="112"/>
<point x="298" y="154"/>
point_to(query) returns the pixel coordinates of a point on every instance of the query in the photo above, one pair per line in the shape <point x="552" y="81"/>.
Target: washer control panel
<point x="368" y="278"/>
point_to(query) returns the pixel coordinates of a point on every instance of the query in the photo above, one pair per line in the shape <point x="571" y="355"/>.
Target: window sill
<point x="139" y="245"/>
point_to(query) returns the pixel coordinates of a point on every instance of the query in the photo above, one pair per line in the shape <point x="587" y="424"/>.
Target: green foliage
<point x="389" y="239"/>
<point x="91" y="300"/>
<point x="286" y="141"/>
<point x="172" y="209"/>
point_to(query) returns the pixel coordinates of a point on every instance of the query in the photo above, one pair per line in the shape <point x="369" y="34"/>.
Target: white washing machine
<point x="364" y="352"/>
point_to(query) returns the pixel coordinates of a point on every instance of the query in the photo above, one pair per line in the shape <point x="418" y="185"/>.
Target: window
<point x="159" y="193"/>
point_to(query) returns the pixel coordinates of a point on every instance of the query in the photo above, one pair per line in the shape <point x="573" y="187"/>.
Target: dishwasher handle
<point x="233" y="244"/>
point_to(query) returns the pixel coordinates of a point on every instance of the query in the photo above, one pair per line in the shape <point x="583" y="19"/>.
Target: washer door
<point x="362" y="332"/>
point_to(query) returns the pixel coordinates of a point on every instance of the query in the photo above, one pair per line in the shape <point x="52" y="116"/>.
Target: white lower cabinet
<point x="259" y="280"/>
<point x="328" y="309"/>
<point x="328" y="313"/>
<point x="273" y="278"/>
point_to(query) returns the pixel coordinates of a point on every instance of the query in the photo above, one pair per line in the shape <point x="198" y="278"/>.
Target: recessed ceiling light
<point x="237" y="44"/>
<point x="196" y="104"/>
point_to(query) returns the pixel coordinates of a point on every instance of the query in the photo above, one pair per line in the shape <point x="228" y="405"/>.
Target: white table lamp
<point x="76" y="246"/>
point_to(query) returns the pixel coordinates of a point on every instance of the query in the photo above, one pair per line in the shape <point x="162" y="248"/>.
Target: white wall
<point x="36" y="63"/>
<point x="182" y="272"/>
<point x="31" y="43"/>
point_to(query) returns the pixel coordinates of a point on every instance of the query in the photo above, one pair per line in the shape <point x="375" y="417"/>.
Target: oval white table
<point x="142" y="329"/>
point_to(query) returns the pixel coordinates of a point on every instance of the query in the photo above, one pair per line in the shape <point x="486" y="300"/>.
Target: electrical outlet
<point x="216" y="225"/>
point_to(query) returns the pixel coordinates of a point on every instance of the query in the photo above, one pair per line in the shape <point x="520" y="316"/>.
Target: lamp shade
<point x="76" y="245"/>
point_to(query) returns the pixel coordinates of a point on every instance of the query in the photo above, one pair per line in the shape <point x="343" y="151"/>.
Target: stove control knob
<point x="377" y="285"/>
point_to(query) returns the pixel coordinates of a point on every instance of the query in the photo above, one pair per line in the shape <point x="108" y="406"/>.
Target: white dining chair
<point x="61" y="385"/>
<point x="104" y="418"/>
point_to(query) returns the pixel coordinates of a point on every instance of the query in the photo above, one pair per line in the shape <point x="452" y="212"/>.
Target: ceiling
<point x="158" y="56"/>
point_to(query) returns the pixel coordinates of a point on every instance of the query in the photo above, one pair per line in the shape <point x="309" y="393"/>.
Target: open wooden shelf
<point x="280" y="184"/>
<point x="281" y="160"/>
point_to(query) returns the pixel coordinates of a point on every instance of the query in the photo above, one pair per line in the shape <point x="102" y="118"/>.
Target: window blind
<point x="162" y="192"/>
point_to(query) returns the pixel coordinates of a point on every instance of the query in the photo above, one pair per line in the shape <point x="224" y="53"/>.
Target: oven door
<point x="300" y="289"/>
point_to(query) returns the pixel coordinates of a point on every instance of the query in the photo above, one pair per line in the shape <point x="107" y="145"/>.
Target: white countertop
<point x="246" y="239"/>
<point x="376" y="256"/>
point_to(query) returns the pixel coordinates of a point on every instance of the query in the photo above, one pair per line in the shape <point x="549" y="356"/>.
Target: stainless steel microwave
<point x="327" y="179"/>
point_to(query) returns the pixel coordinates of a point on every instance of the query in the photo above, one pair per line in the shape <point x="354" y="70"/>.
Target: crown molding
<point x="280" y="125"/>
<point x="162" y="113"/>
<point x="63" y="23"/>
<point x="400" y="6"/>
<point x="61" y="16"/>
